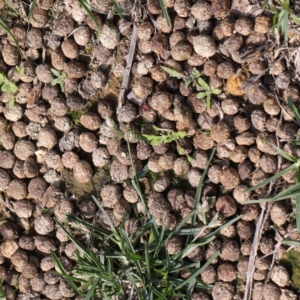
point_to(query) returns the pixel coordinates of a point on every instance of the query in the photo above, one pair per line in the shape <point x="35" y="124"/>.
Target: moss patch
<point x="292" y="263"/>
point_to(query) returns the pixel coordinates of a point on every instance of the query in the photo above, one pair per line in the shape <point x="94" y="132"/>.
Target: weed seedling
<point x="188" y="79"/>
<point x="282" y="12"/>
<point x="20" y="70"/>
<point x="60" y="79"/>
<point x="9" y="87"/>
<point x="195" y="79"/>
<point x="207" y="93"/>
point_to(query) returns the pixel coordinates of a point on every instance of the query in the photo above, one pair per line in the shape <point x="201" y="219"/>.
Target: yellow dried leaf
<point x="234" y="85"/>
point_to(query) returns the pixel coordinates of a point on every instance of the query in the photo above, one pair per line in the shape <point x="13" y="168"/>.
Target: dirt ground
<point x="78" y="88"/>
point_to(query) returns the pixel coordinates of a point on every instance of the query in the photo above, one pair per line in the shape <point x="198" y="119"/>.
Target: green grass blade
<point x="90" y="13"/>
<point x="143" y="172"/>
<point x="282" y="153"/>
<point x="112" y="227"/>
<point x="11" y="6"/>
<point x="173" y="73"/>
<point x="165" y="12"/>
<point x="192" y="277"/>
<point x="135" y="180"/>
<point x="159" y="244"/>
<point x="118" y="9"/>
<point x="298" y="202"/>
<point x="2" y="293"/>
<point x="63" y="273"/>
<point x="291" y="243"/>
<point x="4" y="26"/>
<point x="295" y="19"/>
<point x="272" y="178"/>
<point x="86" y="224"/>
<point x="147" y="259"/>
<point x="214" y="233"/>
<point x="294" y="109"/>
<point x="200" y="185"/>
<point x="70" y="236"/>
<point x="91" y="292"/>
<point x="131" y="279"/>
<point x="190" y="289"/>
<point x="32" y="7"/>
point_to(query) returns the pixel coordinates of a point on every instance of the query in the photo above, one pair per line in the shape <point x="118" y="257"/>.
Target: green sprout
<point x="207" y="93"/>
<point x="169" y="137"/>
<point x="60" y="79"/>
<point x="188" y="79"/>
<point x="118" y="9"/>
<point x="282" y="12"/>
<point x="197" y="81"/>
<point x="8" y="87"/>
<point x="165" y="12"/>
<point x="20" y="70"/>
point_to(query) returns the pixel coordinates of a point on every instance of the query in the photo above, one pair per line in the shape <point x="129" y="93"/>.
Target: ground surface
<point x="218" y="78"/>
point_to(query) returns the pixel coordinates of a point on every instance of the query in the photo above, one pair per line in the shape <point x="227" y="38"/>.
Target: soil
<point x="63" y="141"/>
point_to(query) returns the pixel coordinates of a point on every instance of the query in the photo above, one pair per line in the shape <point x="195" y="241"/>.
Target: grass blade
<point x="91" y="291"/>
<point x="131" y="279"/>
<point x="85" y="6"/>
<point x="272" y="178"/>
<point x="298" y="202"/>
<point x="294" y="109"/>
<point x="165" y="12"/>
<point x="32" y="7"/>
<point x="4" y="26"/>
<point x="212" y="258"/>
<point x="118" y="9"/>
<point x="173" y="73"/>
<point x="204" y="84"/>
<point x="112" y="227"/>
<point x="291" y="243"/>
<point x="200" y="185"/>
<point x="63" y="273"/>
<point x="71" y="238"/>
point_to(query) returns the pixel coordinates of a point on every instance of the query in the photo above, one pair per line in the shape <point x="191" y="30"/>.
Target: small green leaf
<point x="173" y="73"/>
<point x="295" y="19"/>
<point x="203" y="84"/>
<point x="55" y="72"/>
<point x="11" y="103"/>
<point x="187" y="81"/>
<point x="54" y="81"/>
<point x="181" y="134"/>
<point x="195" y="73"/>
<point x="5" y="87"/>
<point x="217" y="91"/>
<point x="149" y="137"/>
<point x="2" y="77"/>
<point x="20" y="70"/>
<point x="201" y="95"/>
<point x="63" y="75"/>
<point x="13" y="88"/>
